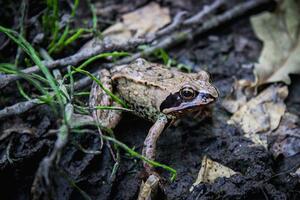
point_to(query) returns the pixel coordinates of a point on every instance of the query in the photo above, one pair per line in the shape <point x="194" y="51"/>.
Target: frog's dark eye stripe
<point x="187" y="93"/>
<point x="173" y="100"/>
<point x="176" y="99"/>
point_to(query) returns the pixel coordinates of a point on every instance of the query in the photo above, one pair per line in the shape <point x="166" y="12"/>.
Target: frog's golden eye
<point x="187" y="93"/>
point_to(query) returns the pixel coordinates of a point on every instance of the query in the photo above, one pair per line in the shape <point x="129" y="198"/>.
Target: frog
<point x="154" y="92"/>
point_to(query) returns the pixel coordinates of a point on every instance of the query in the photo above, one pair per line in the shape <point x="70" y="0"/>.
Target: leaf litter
<point x="262" y="113"/>
<point x="211" y="170"/>
<point x="141" y="22"/>
<point x="280" y="33"/>
<point x="211" y="165"/>
<point x="263" y="117"/>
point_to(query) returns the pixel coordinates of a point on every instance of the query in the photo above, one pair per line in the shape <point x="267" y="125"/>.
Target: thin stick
<point x="18" y="108"/>
<point x="205" y="11"/>
<point x="165" y="43"/>
<point x="105" y="47"/>
<point x="24" y="106"/>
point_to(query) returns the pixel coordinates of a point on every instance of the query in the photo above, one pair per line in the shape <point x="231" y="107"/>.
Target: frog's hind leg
<point x="104" y="117"/>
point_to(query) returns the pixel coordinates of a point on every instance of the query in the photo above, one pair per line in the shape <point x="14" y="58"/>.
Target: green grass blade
<point x="94" y="15"/>
<point x="103" y="55"/>
<point x="74" y="8"/>
<point x="22" y="92"/>
<point x="114" y="54"/>
<point x="32" y="54"/>
<point x="137" y="155"/>
<point x="82" y="94"/>
<point x="107" y="91"/>
<point x="74" y="37"/>
<point x="60" y="43"/>
<point x="112" y="108"/>
<point x="7" y="68"/>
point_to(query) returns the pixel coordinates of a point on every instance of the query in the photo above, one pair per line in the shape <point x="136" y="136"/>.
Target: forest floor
<point x="228" y="52"/>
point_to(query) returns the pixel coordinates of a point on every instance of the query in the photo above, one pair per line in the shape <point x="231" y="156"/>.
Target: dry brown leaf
<point x="118" y="33"/>
<point x="296" y="173"/>
<point x="287" y="137"/>
<point x="237" y="97"/>
<point x="210" y="171"/>
<point x="262" y="113"/>
<point x="280" y="33"/>
<point x="139" y="23"/>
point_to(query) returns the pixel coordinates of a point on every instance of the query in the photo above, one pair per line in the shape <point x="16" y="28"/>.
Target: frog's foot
<point x="149" y="189"/>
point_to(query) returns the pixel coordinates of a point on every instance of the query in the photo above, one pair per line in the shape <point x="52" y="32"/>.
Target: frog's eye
<point x="187" y="93"/>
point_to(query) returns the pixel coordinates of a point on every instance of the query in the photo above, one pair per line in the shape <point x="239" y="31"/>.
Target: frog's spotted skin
<point x="155" y="93"/>
<point x="152" y="89"/>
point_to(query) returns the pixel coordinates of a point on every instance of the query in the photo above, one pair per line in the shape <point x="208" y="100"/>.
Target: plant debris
<point x="50" y="147"/>
<point x="261" y="114"/>
<point x="280" y="33"/>
<point x="210" y="171"/>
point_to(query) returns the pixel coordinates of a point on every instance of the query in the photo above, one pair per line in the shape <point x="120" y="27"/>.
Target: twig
<point x="190" y="33"/>
<point x="205" y="11"/>
<point x="131" y="44"/>
<point x="229" y="15"/>
<point x="23" y="18"/>
<point x="24" y="106"/>
<point x="42" y="177"/>
<point x="165" y="42"/>
<point x="71" y="60"/>
<point x="18" y="108"/>
<point x="105" y="46"/>
<point x="177" y="21"/>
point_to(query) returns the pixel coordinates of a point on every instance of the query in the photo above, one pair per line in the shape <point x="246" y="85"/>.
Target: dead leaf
<point x="296" y="174"/>
<point x="237" y="97"/>
<point x="287" y="137"/>
<point x="280" y="33"/>
<point x="118" y="33"/>
<point x="262" y="113"/>
<point x="139" y="23"/>
<point x="210" y="171"/>
<point x="147" y="19"/>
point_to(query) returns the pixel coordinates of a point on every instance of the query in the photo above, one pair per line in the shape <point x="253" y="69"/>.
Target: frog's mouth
<point x="185" y="106"/>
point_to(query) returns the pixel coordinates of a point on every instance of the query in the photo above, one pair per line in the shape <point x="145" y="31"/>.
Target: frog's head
<point x="190" y="95"/>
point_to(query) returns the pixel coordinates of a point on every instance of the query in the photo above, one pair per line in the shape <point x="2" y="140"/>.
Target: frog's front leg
<point x="149" y="149"/>
<point x="150" y="187"/>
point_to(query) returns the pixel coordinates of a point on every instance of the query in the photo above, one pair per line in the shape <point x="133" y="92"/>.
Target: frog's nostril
<point x="206" y="96"/>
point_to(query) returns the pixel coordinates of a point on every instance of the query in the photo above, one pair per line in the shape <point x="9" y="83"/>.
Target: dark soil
<point x="227" y="53"/>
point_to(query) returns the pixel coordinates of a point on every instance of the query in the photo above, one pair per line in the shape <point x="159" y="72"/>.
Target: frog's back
<point x="144" y="86"/>
<point x="148" y="74"/>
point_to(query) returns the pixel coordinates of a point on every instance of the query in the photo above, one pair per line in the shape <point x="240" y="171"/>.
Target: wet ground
<point x="227" y="53"/>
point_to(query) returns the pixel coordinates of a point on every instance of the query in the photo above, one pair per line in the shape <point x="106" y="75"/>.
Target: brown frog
<point x="153" y="92"/>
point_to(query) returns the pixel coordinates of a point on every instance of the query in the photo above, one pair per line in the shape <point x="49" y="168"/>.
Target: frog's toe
<point x="149" y="188"/>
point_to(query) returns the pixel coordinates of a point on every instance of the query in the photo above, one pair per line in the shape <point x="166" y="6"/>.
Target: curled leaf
<point x="280" y="34"/>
